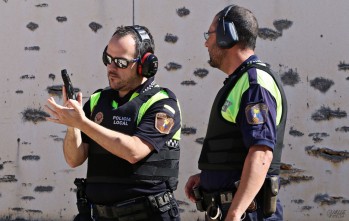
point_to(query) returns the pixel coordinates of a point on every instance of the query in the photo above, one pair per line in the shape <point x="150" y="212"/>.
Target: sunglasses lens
<point x="121" y="63"/>
<point x="109" y="59"/>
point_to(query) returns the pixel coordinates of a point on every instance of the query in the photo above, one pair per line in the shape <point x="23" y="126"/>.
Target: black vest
<point x="223" y="147"/>
<point x="104" y="167"/>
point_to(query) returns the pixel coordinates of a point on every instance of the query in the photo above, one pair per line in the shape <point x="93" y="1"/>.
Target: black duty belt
<point x="139" y="208"/>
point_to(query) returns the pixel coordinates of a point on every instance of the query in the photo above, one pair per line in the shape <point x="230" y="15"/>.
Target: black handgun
<point x="69" y="89"/>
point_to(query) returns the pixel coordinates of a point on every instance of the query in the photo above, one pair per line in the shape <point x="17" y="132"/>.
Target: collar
<point x="251" y="60"/>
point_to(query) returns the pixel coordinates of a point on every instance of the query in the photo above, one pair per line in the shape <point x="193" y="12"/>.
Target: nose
<point x="206" y="43"/>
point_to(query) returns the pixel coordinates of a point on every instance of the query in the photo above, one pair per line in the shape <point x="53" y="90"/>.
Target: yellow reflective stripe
<point x="266" y="81"/>
<point x="232" y="103"/>
<point x="93" y="100"/>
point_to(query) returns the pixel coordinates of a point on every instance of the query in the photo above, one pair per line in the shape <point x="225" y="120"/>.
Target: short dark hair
<point x="142" y="47"/>
<point x="245" y="23"/>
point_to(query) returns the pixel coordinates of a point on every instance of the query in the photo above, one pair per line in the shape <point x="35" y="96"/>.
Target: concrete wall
<point x="303" y="41"/>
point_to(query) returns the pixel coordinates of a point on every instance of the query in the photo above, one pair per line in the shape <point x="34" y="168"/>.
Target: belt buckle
<point x="226" y="197"/>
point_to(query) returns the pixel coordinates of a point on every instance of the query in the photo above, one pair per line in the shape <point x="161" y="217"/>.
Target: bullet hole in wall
<point x="343" y="129"/>
<point x="321" y="84"/>
<point x="34" y="115"/>
<point x="32" y="26"/>
<point x="43" y="189"/>
<point x="181" y="12"/>
<point x="52" y="76"/>
<point x="325" y="199"/>
<point x="8" y="179"/>
<point x="200" y="140"/>
<point x="189" y="82"/>
<point x="333" y="156"/>
<point x="317" y="137"/>
<point x="171" y="38"/>
<point x="342" y="66"/>
<point x="95" y="26"/>
<point x="28" y="198"/>
<point x="42" y="5"/>
<point x="282" y="24"/>
<point x="27" y="76"/>
<point x="295" y="133"/>
<point x="188" y="130"/>
<point x="325" y="113"/>
<point x="268" y="34"/>
<point x="173" y="66"/>
<point x="31" y="158"/>
<point x="32" y="48"/>
<point x="290" y="77"/>
<point x="201" y="72"/>
<point x="61" y="19"/>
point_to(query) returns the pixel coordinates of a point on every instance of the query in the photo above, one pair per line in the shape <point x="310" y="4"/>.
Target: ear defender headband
<point x="147" y="62"/>
<point x="226" y="34"/>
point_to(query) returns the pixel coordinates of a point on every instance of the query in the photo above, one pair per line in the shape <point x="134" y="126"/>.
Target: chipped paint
<point x="171" y="38"/>
<point x="181" y="12"/>
<point x="321" y="84"/>
<point x="325" y="113"/>
<point x="173" y="66"/>
<point x="34" y="115"/>
<point x="331" y="155"/>
<point x="290" y="77"/>
<point x="95" y="26"/>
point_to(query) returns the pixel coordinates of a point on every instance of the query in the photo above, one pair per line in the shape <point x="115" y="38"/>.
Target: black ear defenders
<point x="147" y="63"/>
<point x="226" y="34"/>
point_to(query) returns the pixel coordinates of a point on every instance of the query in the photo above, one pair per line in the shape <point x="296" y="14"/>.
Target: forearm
<point x="74" y="152"/>
<point x="253" y="175"/>
<point x="130" y="148"/>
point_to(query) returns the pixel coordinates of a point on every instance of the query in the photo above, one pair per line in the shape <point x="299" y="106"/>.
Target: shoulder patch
<point x="163" y="123"/>
<point x="256" y="113"/>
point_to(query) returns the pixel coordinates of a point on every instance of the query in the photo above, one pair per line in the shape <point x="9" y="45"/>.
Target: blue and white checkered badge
<point x="256" y="113"/>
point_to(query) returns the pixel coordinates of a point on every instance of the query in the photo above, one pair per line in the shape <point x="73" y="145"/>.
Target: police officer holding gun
<point x="241" y="153"/>
<point x="129" y="132"/>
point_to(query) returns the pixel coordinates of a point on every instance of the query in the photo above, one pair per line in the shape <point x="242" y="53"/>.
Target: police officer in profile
<point x="241" y="153"/>
<point x="128" y="132"/>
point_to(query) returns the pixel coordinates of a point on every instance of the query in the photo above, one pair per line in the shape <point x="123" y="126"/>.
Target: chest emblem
<point x="99" y="118"/>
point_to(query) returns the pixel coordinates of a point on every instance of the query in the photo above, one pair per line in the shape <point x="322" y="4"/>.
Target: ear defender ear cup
<point x="226" y="34"/>
<point x="148" y="65"/>
<point x="104" y="56"/>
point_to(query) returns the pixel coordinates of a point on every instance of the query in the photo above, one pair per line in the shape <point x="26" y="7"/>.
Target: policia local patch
<point x="163" y="123"/>
<point x="256" y="113"/>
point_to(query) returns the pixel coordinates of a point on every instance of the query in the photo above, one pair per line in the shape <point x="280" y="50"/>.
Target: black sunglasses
<point x="119" y="62"/>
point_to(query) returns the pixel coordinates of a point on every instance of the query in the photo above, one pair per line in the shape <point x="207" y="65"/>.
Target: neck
<point x="123" y="93"/>
<point x="234" y="58"/>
